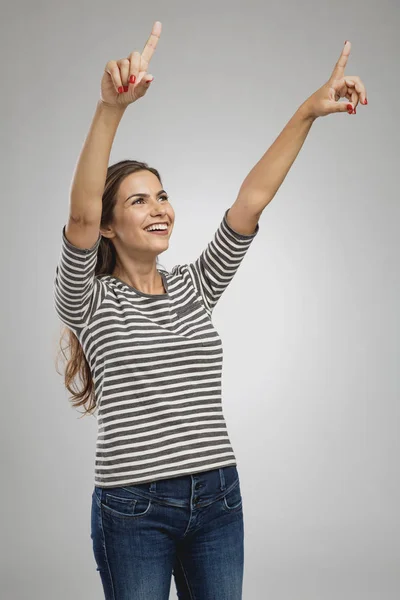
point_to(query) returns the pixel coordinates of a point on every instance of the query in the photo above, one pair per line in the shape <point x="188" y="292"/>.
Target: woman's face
<point x="141" y="202"/>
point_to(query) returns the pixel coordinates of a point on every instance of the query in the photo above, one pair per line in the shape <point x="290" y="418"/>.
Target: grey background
<point x="309" y="324"/>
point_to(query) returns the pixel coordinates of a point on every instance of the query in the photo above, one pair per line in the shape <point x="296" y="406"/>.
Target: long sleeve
<point x="216" y="266"/>
<point x="77" y="292"/>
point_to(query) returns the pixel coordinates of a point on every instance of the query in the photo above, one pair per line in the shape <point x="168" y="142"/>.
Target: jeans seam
<point x="186" y="579"/>
<point x="105" y="549"/>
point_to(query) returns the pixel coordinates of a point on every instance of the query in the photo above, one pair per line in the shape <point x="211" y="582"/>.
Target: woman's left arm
<point x="264" y="180"/>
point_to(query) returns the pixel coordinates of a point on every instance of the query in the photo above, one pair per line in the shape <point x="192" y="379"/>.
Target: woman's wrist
<point x="110" y="109"/>
<point x="306" y="112"/>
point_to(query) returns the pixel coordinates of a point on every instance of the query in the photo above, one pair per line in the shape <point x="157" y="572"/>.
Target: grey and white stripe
<point x="156" y="361"/>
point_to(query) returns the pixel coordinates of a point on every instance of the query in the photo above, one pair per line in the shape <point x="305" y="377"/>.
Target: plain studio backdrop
<point x="309" y="324"/>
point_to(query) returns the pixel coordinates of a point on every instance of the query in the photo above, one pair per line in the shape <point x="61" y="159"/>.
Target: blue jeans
<point x="189" y="526"/>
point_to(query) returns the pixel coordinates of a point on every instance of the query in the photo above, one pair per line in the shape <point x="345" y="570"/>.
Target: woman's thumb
<point x="146" y="81"/>
<point x="344" y="107"/>
<point x="143" y="85"/>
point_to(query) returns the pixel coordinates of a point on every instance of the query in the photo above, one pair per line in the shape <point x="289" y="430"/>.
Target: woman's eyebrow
<point x="146" y="195"/>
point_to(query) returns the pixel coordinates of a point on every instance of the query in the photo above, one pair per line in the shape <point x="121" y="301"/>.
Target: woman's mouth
<point x="158" y="231"/>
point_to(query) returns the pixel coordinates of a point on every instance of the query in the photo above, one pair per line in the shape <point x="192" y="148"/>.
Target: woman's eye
<point x="163" y="197"/>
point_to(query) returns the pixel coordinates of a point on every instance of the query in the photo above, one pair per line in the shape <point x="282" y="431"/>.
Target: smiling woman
<point x="143" y="345"/>
<point x="139" y="203"/>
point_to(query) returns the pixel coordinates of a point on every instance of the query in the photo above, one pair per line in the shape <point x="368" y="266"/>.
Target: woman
<point x="167" y="496"/>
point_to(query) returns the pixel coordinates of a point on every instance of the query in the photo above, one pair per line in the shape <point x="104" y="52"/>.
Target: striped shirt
<point x="155" y="359"/>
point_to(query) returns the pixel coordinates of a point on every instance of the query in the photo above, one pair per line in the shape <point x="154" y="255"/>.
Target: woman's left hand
<point x="326" y="100"/>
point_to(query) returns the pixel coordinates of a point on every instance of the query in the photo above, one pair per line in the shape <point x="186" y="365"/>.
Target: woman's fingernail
<point x="126" y="88"/>
<point x="355" y="111"/>
<point x="365" y="101"/>
<point x="120" y="89"/>
<point x="349" y="108"/>
<point x="132" y="79"/>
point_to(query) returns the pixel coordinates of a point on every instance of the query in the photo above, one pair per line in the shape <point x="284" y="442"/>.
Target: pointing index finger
<point x="338" y="71"/>
<point x="152" y="42"/>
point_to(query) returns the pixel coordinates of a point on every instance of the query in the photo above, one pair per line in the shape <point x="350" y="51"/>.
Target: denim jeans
<point x="190" y="527"/>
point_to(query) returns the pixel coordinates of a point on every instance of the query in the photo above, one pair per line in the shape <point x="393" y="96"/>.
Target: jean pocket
<point x="122" y="503"/>
<point x="232" y="501"/>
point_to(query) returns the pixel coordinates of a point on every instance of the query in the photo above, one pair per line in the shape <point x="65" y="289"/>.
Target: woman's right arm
<point x="87" y="188"/>
<point x="78" y="293"/>
<point x="82" y="229"/>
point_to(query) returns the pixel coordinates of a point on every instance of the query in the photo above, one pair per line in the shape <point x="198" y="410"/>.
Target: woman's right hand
<point x="117" y="74"/>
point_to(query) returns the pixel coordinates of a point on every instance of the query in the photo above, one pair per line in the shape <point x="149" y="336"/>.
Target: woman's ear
<point x="107" y="232"/>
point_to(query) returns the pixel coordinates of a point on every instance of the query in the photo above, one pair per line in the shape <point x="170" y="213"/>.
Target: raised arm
<point x="77" y="291"/>
<point x="266" y="177"/>
<point x="124" y="81"/>
<point x="90" y="175"/>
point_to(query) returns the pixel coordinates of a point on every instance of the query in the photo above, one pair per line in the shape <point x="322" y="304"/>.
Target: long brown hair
<point x="77" y="364"/>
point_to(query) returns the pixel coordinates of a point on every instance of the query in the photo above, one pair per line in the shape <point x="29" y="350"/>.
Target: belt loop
<point x="152" y="487"/>
<point x="222" y="478"/>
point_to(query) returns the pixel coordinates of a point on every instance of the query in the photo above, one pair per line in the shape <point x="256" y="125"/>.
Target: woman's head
<point x="124" y="239"/>
<point x="133" y="199"/>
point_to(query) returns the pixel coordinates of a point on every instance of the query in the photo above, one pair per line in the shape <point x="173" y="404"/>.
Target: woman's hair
<point x="77" y="364"/>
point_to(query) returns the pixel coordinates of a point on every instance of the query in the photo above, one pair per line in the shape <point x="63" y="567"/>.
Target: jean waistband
<point x="212" y="483"/>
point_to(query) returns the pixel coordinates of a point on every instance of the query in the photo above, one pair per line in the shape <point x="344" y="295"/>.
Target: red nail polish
<point x="132" y="79"/>
<point x="120" y="89"/>
<point x="366" y="101"/>
<point x="126" y="88"/>
<point x="349" y="108"/>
